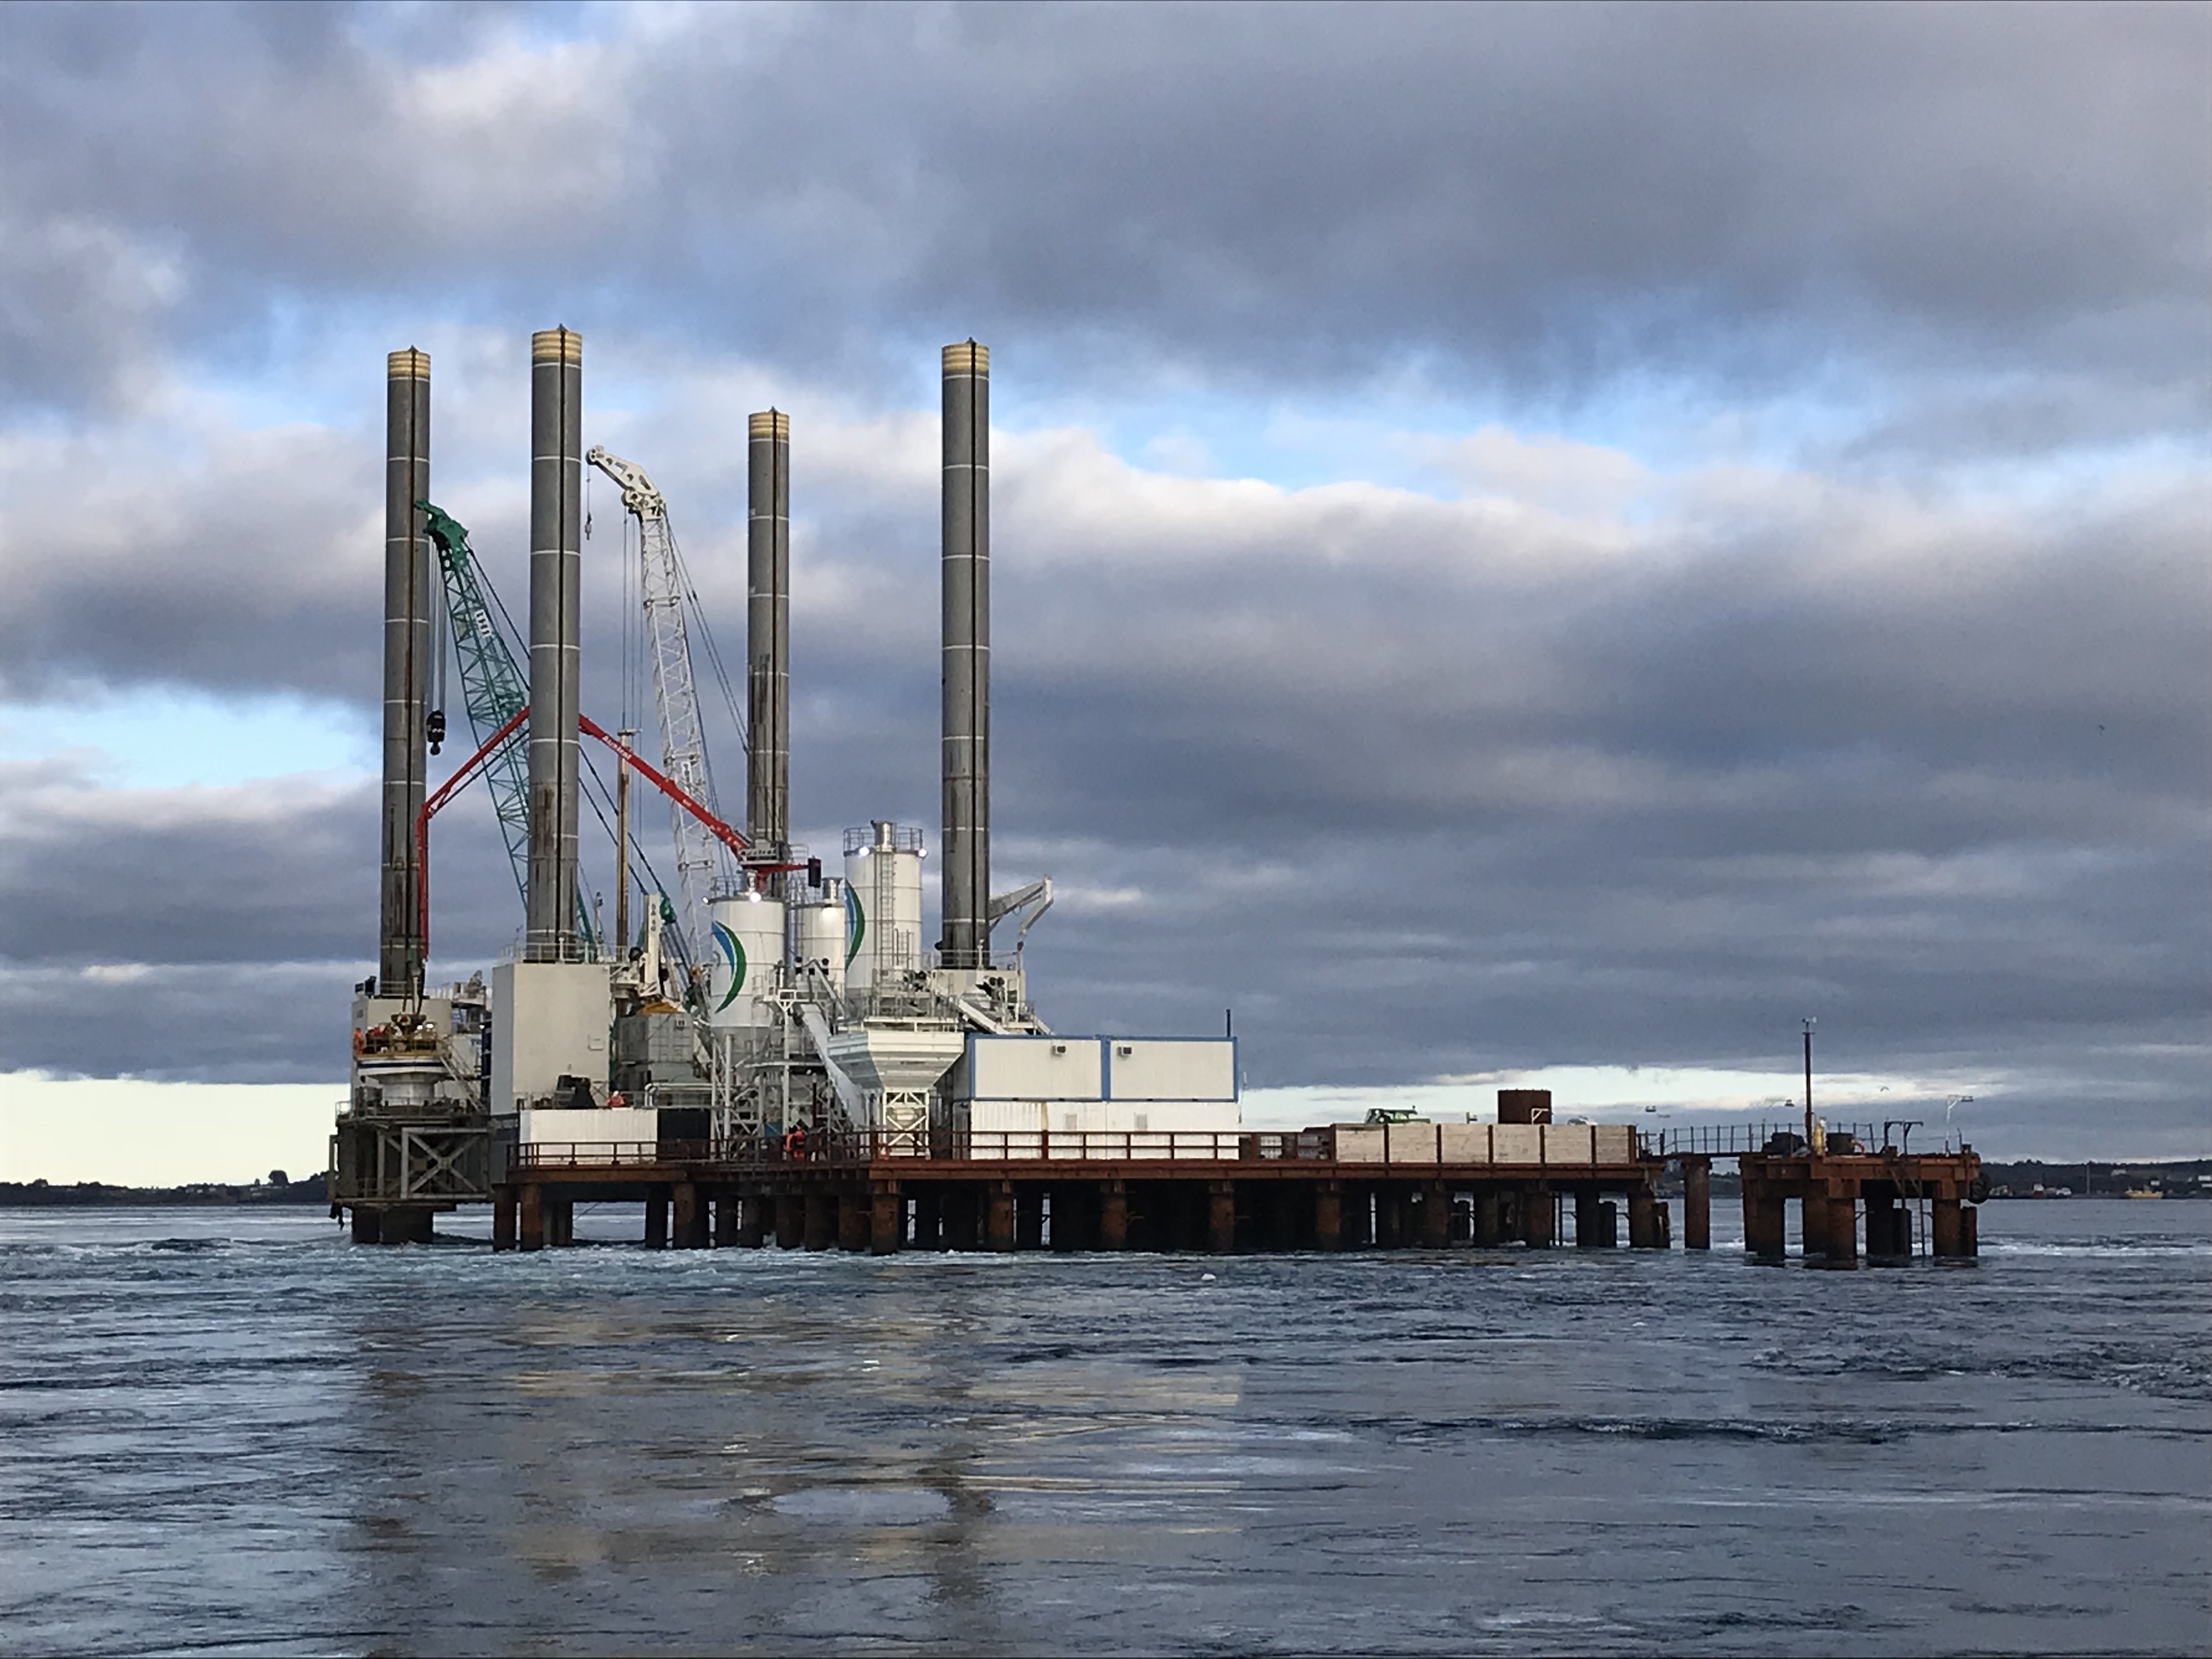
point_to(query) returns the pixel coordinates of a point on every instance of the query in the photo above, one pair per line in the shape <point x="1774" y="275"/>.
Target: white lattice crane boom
<point x="700" y="859"/>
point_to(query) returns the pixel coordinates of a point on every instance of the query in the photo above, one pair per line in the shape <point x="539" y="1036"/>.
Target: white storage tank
<point x="822" y="934"/>
<point x="748" y="933"/>
<point x="882" y="901"/>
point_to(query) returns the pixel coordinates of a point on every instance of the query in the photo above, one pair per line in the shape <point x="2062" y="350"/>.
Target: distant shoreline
<point x="90" y="1194"/>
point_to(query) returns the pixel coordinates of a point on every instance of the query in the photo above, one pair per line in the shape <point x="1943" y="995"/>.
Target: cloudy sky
<point x="1529" y="540"/>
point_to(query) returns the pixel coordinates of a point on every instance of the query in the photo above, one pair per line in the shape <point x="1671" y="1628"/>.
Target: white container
<point x="630" y="1127"/>
<point x="883" y="899"/>
<point x="823" y="936"/>
<point x="1036" y="1068"/>
<point x="549" y="1020"/>
<point x="1172" y="1068"/>
<point x="747" y="929"/>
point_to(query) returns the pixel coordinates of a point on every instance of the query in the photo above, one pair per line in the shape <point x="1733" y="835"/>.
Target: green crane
<point x="494" y="690"/>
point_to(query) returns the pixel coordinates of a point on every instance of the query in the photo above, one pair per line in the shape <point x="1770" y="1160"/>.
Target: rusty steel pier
<point x="1326" y="1189"/>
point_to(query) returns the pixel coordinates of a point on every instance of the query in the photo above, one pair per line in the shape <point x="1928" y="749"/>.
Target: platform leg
<point x="1537" y="1210"/>
<point x="1970" y="1230"/>
<point x="1329" y="1216"/>
<point x="1643" y="1219"/>
<point x="999" y="1216"/>
<point x="1436" y="1216"/>
<point x="531" y="1217"/>
<point x="854" y="1221"/>
<point x="1897" y="1230"/>
<point x="1113" y="1217"/>
<point x="886" y="1221"/>
<point x="1489" y="1219"/>
<point x="1221" y="1217"/>
<point x="1843" y="1230"/>
<point x="1763" y="1221"/>
<point x="687" y="1226"/>
<point x="963" y="1218"/>
<point x="725" y="1219"/>
<point x="752" y="1221"/>
<point x="1944" y="1228"/>
<point x="503" y="1219"/>
<point x="1812" y="1223"/>
<point x="403" y="1225"/>
<point x="1587" y="1227"/>
<point x="1697" y="1204"/>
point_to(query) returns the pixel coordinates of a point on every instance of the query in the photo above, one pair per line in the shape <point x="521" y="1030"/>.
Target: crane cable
<point x="714" y="652"/>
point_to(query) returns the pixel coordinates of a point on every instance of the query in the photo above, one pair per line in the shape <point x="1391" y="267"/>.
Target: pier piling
<point x="1221" y="1217"/>
<point x="1697" y="1204"/>
<point x="530" y="1221"/>
<point x="1538" y="1218"/>
<point x="1644" y="1232"/>
<point x="1113" y="1217"/>
<point x="687" y="1217"/>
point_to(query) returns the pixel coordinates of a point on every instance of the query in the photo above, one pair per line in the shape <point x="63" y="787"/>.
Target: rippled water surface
<point x="232" y="1431"/>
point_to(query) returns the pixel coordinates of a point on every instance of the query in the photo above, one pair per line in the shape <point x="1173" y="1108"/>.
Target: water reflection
<point x="276" y="1440"/>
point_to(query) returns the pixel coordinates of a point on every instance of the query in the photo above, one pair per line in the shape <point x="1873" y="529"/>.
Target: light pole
<point x="1950" y="1106"/>
<point x="1810" y="1146"/>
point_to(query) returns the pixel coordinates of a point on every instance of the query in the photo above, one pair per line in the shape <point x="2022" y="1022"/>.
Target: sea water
<point x="231" y="1430"/>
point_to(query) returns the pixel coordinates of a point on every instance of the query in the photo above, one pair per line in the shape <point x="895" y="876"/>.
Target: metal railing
<point x="605" y="1154"/>
<point x="1784" y="1140"/>
<point x="1365" y="1148"/>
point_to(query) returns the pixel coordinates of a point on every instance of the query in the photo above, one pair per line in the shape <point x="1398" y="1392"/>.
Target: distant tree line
<point x="277" y="1188"/>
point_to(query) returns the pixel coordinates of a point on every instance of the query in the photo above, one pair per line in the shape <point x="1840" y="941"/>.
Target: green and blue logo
<point x="856" y="924"/>
<point x="733" y="955"/>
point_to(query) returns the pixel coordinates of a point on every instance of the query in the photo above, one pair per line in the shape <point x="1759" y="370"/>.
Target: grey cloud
<point x="210" y="934"/>
<point x="1423" y="786"/>
<point x="1418" y="794"/>
<point x="81" y="307"/>
<point x="247" y="1022"/>
<point x="185" y="551"/>
<point x="98" y="878"/>
<point x="1555" y="194"/>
